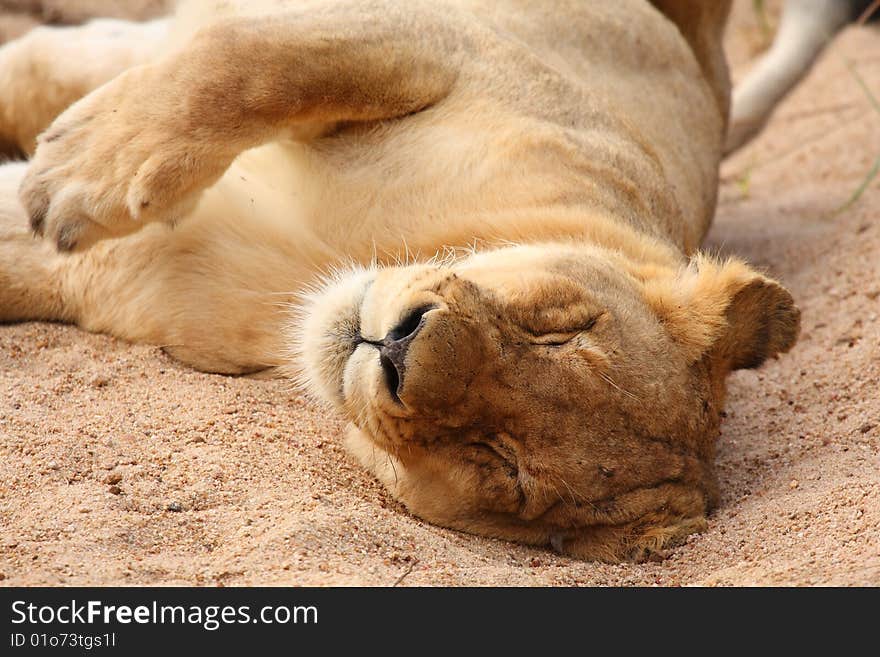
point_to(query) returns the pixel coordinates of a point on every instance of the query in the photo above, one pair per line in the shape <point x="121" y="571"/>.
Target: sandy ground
<point x="121" y="467"/>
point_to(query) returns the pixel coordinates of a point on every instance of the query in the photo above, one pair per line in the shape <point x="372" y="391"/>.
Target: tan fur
<point x="245" y="198"/>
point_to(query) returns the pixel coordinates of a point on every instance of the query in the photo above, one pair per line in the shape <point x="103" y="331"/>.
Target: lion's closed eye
<point x="552" y="310"/>
<point x="559" y="337"/>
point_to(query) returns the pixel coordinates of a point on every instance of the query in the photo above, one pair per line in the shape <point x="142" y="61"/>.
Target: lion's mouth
<point x="391" y="374"/>
<point x="393" y="348"/>
<point x="328" y="334"/>
<point x="364" y="372"/>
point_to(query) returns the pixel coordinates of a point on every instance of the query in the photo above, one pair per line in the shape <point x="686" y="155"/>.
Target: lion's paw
<point x="114" y="161"/>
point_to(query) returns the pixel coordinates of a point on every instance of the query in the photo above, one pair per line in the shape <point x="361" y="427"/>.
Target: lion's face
<point x="546" y="396"/>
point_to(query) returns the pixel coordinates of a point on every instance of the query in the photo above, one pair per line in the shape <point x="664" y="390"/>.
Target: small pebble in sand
<point x="114" y="490"/>
<point x="794" y="483"/>
<point x="113" y="478"/>
<point x="99" y="381"/>
<point x="53" y="465"/>
<point x="865" y="428"/>
<point x="174" y="507"/>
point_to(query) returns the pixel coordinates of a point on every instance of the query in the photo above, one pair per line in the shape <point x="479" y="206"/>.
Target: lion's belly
<point x="412" y="193"/>
<point x="447" y="185"/>
<point x="538" y="129"/>
<point x="523" y="150"/>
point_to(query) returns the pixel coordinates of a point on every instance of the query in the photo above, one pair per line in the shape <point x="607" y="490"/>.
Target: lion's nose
<point x="393" y="348"/>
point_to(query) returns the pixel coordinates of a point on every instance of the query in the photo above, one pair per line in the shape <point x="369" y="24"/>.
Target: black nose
<point x="395" y="345"/>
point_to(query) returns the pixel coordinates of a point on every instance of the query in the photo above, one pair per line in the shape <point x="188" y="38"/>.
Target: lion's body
<point x="550" y="135"/>
<point x="293" y="137"/>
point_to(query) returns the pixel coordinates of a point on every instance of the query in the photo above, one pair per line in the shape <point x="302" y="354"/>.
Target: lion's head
<point x="547" y="395"/>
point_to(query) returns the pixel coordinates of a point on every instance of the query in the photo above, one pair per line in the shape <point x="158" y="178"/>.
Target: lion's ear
<point x="725" y="310"/>
<point x="762" y="322"/>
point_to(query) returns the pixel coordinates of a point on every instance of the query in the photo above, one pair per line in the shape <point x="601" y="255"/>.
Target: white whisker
<point x="611" y="382"/>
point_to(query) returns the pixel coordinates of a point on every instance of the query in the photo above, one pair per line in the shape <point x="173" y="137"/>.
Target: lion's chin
<point x="325" y="334"/>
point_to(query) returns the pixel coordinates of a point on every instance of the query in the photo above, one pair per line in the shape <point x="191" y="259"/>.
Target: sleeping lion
<point x="470" y="226"/>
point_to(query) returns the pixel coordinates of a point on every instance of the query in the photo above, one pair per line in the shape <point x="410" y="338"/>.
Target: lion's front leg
<point x="143" y="147"/>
